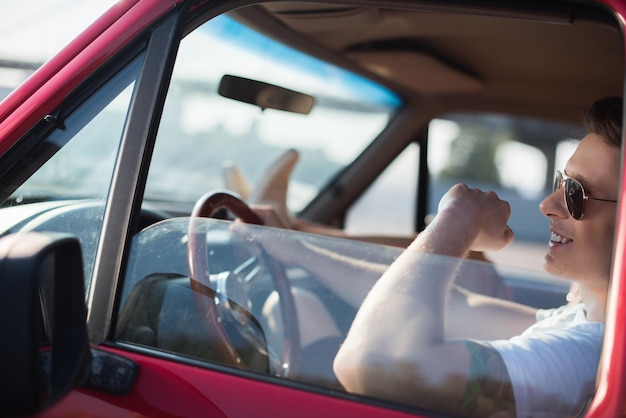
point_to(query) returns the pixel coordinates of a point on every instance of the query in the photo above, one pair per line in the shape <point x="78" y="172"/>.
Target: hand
<point x="476" y="216"/>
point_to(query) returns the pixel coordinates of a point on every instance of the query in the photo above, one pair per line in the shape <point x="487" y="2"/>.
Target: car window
<point x="387" y="207"/>
<point x="163" y="307"/>
<point x="212" y="141"/>
<point x="66" y="186"/>
<point x="244" y="296"/>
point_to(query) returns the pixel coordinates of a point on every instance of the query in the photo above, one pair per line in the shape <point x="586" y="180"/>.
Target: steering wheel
<point x="207" y="298"/>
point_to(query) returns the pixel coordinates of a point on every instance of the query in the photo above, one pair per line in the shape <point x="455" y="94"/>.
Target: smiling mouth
<point x="557" y="239"/>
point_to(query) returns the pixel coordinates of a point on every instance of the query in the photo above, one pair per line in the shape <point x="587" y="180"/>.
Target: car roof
<point x="549" y="59"/>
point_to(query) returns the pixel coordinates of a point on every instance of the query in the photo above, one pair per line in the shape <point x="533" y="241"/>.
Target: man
<point x="549" y="368"/>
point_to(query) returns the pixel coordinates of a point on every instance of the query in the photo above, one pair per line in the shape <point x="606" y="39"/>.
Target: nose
<point x="554" y="205"/>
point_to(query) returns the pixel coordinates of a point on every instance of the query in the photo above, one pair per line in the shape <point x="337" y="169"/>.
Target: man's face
<point x="581" y="249"/>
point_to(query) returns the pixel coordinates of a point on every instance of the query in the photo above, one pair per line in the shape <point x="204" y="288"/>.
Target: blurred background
<point x="32" y="32"/>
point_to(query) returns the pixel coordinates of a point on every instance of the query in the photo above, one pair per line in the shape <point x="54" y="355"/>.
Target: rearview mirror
<point x="44" y="349"/>
<point x="264" y="95"/>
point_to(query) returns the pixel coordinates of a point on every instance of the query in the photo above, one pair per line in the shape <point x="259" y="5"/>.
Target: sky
<point x="33" y="31"/>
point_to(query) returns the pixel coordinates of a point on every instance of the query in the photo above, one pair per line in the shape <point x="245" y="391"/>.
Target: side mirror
<point x="264" y="95"/>
<point x="44" y="347"/>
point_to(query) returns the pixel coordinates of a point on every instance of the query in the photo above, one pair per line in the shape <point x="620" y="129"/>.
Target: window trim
<point x="130" y="173"/>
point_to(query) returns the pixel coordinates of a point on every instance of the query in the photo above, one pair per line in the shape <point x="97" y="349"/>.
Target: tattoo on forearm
<point x="488" y="378"/>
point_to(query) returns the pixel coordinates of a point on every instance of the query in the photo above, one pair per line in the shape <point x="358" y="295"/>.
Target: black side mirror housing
<point x="44" y="346"/>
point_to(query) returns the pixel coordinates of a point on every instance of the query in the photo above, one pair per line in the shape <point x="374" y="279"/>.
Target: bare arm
<point x="470" y="315"/>
<point x="417" y="363"/>
<point x="352" y="279"/>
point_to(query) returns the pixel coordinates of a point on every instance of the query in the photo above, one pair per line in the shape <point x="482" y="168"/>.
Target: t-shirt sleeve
<point x="552" y="373"/>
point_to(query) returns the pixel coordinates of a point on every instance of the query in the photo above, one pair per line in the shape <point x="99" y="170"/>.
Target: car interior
<point x="440" y="62"/>
<point x="350" y="120"/>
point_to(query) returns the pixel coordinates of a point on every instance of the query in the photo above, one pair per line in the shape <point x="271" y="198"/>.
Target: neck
<point x="594" y="300"/>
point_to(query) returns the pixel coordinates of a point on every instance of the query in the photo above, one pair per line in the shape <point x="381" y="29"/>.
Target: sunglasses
<point x="575" y="194"/>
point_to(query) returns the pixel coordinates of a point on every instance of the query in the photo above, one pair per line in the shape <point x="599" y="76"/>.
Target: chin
<point x="551" y="267"/>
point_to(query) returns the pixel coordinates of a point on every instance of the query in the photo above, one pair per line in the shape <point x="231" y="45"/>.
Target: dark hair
<point x="604" y="118"/>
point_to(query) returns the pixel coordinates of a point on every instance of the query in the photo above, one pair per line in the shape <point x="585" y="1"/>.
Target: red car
<point x="125" y="159"/>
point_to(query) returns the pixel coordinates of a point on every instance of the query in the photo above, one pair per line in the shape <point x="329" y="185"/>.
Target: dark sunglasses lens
<point x="574" y="198"/>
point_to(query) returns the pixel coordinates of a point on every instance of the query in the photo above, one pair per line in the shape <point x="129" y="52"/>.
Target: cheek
<point x="598" y="246"/>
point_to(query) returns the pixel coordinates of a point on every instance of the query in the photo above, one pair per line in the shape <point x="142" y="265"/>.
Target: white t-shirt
<point x="553" y="364"/>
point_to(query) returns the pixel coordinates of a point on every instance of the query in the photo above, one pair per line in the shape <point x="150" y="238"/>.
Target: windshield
<point x="207" y="141"/>
<point x="232" y="143"/>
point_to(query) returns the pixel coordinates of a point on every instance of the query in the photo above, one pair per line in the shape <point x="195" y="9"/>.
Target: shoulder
<point x="540" y="366"/>
<point x="578" y="341"/>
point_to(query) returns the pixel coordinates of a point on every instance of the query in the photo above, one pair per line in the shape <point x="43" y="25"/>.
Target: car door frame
<point x="130" y="172"/>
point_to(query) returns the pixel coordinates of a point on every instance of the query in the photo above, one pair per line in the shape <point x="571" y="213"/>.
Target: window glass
<point x="166" y="306"/>
<point x="388" y="206"/>
<point x="69" y="184"/>
<point x="267" y="300"/>
<point x="207" y="141"/>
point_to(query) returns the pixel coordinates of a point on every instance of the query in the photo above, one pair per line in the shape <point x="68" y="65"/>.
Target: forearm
<point x="418" y="363"/>
<point x="396" y="347"/>
<point x="412" y="289"/>
<point x="348" y="277"/>
<point x="353" y="278"/>
<point x="475" y="316"/>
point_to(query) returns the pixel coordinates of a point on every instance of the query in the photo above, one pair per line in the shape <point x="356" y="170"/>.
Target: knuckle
<point x="507" y="206"/>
